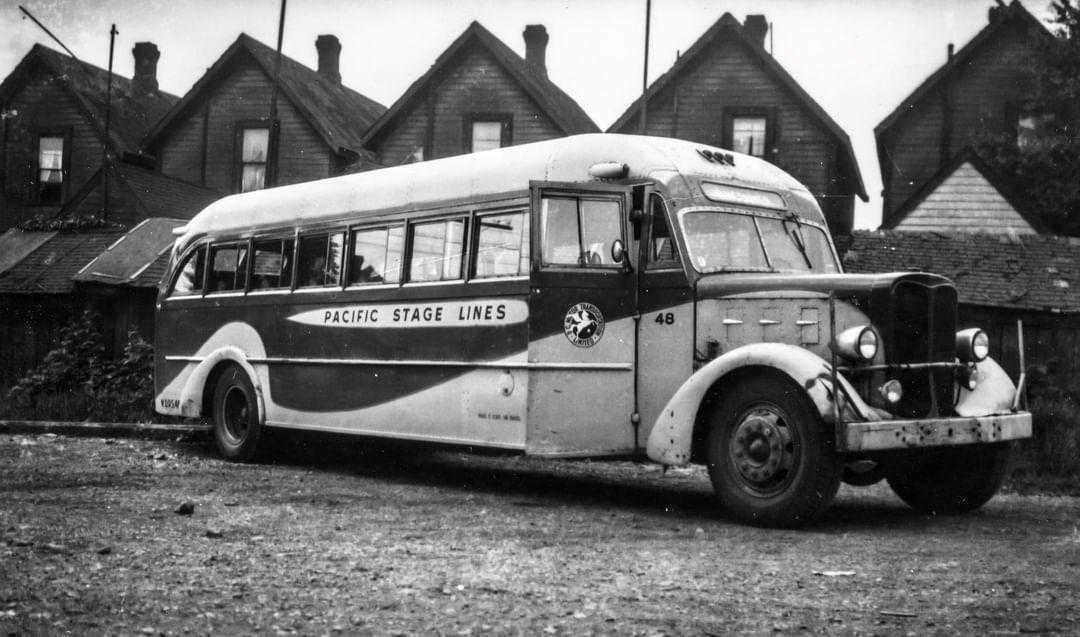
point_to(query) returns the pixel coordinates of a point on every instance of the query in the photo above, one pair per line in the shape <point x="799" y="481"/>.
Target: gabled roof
<point x="727" y="27"/>
<point x="1028" y="272"/>
<point x="49" y="268"/>
<point x="999" y="182"/>
<point x="563" y="111"/>
<point x="1007" y="16"/>
<point x="338" y="114"/>
<point x="136" y="192"/>
<point x="132" y="115"/>
<point x="127" y="261"/>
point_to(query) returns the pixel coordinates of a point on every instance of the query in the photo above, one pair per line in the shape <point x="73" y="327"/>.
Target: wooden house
<point x="931" y="179"/>
<point x="727" y="90"/>
<point x="221" y="134"/>
<point x="478" y="94"/>
<point x="53" y="126"/>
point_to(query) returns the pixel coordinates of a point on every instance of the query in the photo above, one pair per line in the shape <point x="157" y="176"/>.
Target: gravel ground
<point x="342" y="535"/>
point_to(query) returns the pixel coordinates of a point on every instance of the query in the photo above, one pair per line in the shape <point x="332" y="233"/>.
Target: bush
<point x="77" y="381"/>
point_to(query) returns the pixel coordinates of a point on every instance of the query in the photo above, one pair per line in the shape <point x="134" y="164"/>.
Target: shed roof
<point x="1029" y="272"/>
<point x="50" y="267"/>
<point x="564" y="112"/>
<point x="126" y="261"/>
<point x="16" y="244"/>
<point x="132" y="115"/>
<point x="728" y="27"/>
<point x="338" y="114"/>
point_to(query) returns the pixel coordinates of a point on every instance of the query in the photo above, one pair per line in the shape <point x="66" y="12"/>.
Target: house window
<point x="254" y="153"/>
<point x="748" y="135"/>
<point x="486" y="132"/>
<point x="1033" y="129"/>
<point x="50" y="169"/>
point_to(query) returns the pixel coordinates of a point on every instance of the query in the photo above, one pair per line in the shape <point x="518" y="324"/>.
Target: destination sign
<point x="472" y="313"/>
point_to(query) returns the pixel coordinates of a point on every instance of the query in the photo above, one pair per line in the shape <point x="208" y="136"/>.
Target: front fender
<point x="672" y="435"/>
<point x="191" y="397"/>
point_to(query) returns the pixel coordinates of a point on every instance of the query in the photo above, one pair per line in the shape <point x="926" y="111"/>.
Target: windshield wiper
<point x="796" y="236"/>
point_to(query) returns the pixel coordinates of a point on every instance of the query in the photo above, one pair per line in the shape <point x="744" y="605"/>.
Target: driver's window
<point x="579" y="231"/>
<point x="663" y="253"/>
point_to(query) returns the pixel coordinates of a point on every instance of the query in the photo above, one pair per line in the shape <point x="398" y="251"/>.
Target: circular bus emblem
<point x="583" y="324"/>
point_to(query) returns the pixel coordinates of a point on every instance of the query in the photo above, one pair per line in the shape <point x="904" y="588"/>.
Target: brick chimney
<point x="329" y="57"/>
<point x="755" y="28"/>
<point x="146" y="58"/>
<point x="536" y="39"/>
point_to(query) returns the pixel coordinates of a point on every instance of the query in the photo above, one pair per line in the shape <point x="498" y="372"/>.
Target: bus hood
<point x="852" y="287"/>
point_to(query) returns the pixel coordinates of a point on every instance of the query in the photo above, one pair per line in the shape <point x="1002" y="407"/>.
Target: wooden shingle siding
<point x="242" y="97"/>
<point x="728" y="77"/>
<point x="43" y="106"/>
<point x="477" y="84"/>
<point x="974" y="97"/>
<point x="965" y="202"/>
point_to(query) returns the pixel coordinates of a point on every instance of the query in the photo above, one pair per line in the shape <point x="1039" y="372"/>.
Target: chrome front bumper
<point x="934" y="432"/>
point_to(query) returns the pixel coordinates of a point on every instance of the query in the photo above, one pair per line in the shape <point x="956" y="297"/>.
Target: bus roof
<point x="474" y="176"/>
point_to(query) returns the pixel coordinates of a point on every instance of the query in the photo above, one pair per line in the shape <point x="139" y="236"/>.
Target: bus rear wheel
<point x="771" y="459"/>
<point x="950" y="480"/>
<point x="237" y="430"/>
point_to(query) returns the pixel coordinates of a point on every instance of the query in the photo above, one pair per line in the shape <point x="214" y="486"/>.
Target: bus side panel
<point x="580" y="395"/>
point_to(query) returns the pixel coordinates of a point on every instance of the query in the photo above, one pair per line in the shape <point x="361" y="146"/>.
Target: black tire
<point x="237" y="430"/>
<point x="771" y="459"/>
<point x="950" y="480"/>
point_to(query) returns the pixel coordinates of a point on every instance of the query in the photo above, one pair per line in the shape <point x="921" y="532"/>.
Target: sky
<point x="856" y="58"/>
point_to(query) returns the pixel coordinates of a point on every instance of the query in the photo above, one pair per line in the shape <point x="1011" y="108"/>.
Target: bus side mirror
<point x="618" y="254"/>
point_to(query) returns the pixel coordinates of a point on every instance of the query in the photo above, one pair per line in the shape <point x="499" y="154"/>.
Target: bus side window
<point x="228" y="267"/>
<point x="272" y="264"/>
<point x="579" y="231"/>
<point x="319" y="260"/>
<point x="663" y="252"/>
<point x="190" y="280"/>
<point x="437" y="250"/>
<point x="502" y="245"/>
<point x="376" y="255"/>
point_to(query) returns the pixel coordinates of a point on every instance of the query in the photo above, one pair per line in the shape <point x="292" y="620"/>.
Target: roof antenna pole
<point x="645" y="71"/>
<point x="275" y="127"/>
<point x="108" y="118"/>
<point x="49" y="33"/>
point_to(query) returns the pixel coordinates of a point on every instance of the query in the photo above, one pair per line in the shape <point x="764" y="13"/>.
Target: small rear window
<point x="190" y="280"/>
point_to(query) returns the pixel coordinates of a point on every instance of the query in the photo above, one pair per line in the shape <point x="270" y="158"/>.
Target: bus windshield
<point x="719" y="240"/>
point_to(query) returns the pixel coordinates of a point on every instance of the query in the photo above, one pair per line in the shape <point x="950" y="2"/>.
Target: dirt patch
<point x="354" y="536"/>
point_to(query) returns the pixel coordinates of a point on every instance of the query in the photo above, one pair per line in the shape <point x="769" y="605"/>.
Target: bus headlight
<point x="972" y="345"/>
<point x="857" y="343"/>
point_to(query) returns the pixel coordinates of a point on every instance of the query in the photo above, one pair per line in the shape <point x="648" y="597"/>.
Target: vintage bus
<point x="597" y="295"/>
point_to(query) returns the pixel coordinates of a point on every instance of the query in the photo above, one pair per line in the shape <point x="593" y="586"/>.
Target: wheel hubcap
<point x="763" y="450"/>
<point x="236" y="413"/>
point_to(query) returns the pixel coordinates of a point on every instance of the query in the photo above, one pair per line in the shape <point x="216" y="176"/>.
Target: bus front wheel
<point x="952" y="479"/>
<point x="771" y="459"/>
<point x="237" y="429"/>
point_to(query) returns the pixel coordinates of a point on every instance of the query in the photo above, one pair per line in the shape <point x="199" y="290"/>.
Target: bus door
<point x="665" y="355"/>
<point x="581" y="322"/>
